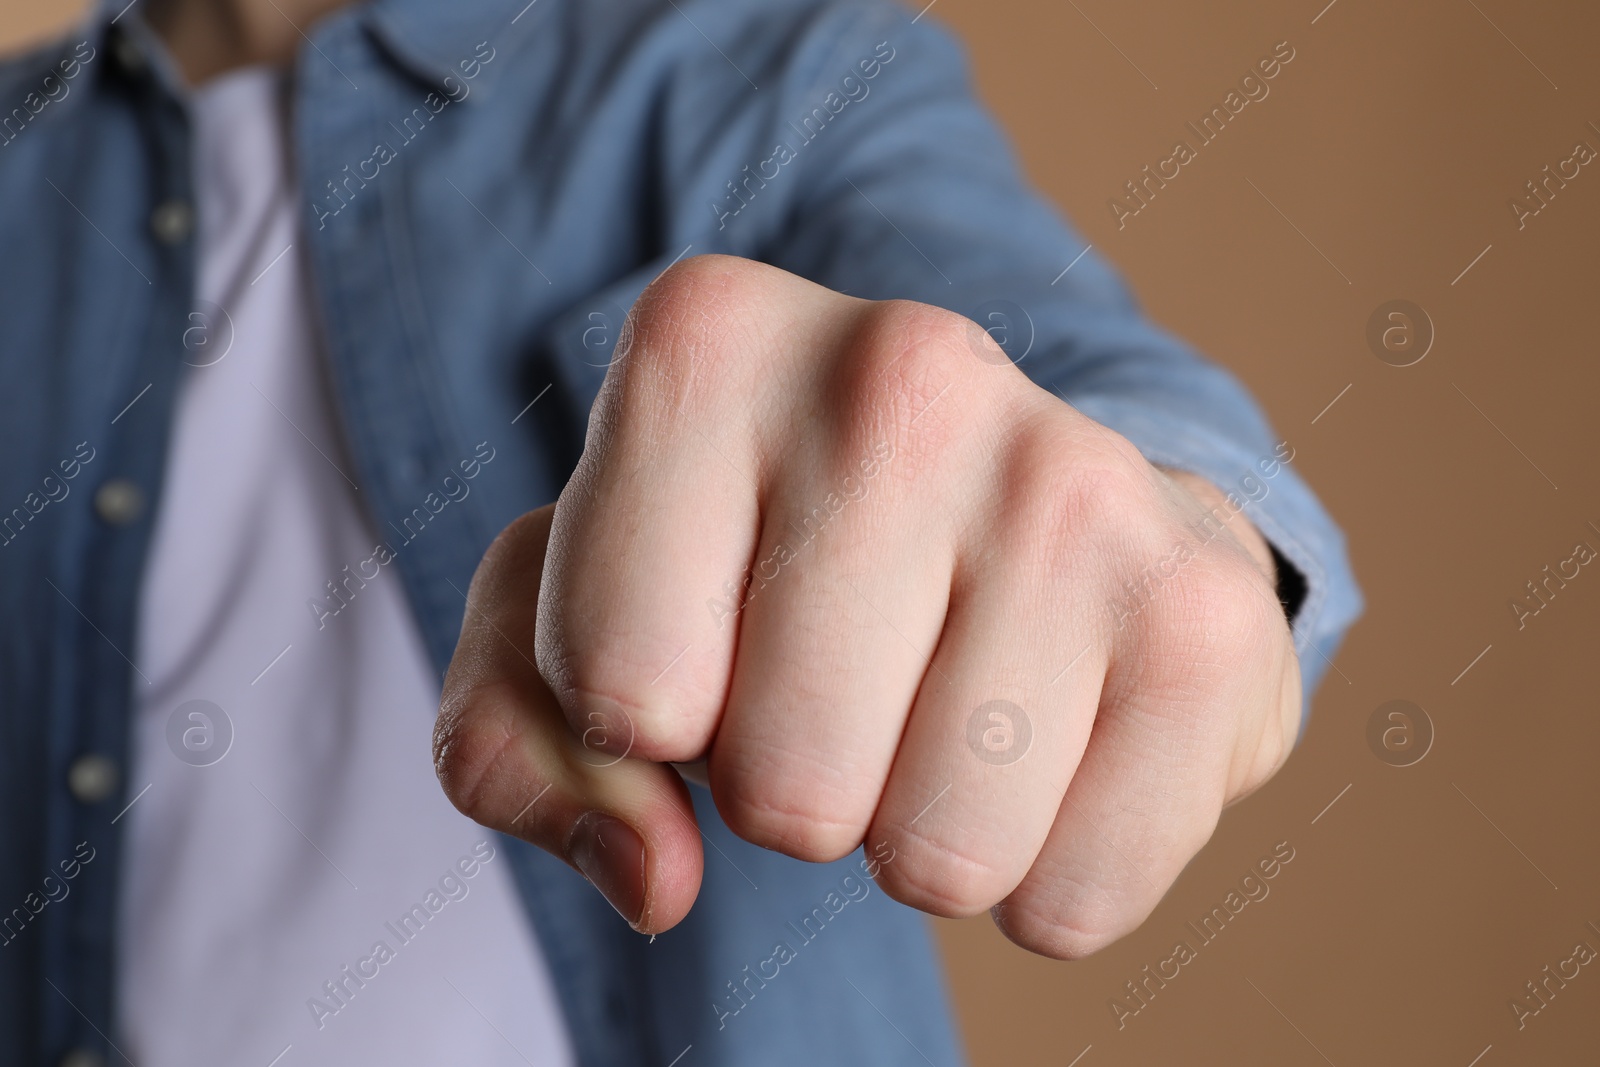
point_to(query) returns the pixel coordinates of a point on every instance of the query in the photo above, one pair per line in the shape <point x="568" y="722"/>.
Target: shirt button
<point x="119" y="502"/>
<point x="92" y="778"/>
<point x="82" y="1057"/>
<point x="172" y="221"/>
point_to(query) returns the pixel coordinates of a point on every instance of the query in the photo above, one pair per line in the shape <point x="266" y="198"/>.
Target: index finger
<point x="507" y="758"/>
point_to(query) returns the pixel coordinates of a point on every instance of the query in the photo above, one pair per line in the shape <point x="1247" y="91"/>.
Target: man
<point x="894" y="526"/>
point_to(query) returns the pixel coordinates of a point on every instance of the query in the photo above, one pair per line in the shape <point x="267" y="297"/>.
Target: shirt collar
<point x="433" y="39"/>
<point x="429" y="39"/>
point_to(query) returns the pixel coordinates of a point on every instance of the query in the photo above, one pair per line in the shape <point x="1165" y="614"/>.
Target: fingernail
<point x="611" y="855"/>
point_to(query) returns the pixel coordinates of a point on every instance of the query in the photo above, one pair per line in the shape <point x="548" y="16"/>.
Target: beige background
<point x="1422" y="900"/>
<point x="1394" y="141"/>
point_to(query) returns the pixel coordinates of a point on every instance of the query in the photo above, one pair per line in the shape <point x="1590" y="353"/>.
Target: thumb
<point x="508" y="759"/>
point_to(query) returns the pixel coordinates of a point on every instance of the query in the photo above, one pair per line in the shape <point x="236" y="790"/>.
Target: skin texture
<point x="971" y="540"/>
<point x="986" y="558"/>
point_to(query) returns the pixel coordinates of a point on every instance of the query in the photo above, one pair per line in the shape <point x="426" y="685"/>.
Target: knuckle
<point x="619" y="719"/>
<point x="1201" y="601"/>
<point x="692" y="288"/>
<point x="474" y="733"/>
<point x="1066" y="485"/>
<point x="1077" y="497"/>
<point x="907" y="373"/>
<point x="1223" y="605"/>
<point x="625" y="681"/>
<point x="908" y="327"/>
<point x="934" y="875"/>
<point x="787" y="815"/>
<point x="688" y="330"/>
<point x="610" y="685"/>
<point x="1060" y="933"/>
<point x="1094" y="483"/>
<point x="1081" y="899"/>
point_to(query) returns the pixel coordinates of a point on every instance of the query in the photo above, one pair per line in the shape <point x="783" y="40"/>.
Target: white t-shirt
<point x="305" y="890"/>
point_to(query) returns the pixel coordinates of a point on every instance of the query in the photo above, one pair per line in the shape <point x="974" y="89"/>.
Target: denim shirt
<point x="487" y="186"/>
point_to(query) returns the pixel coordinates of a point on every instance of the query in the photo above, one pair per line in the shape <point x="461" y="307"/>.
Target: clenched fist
<point x="891" y="592"/>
